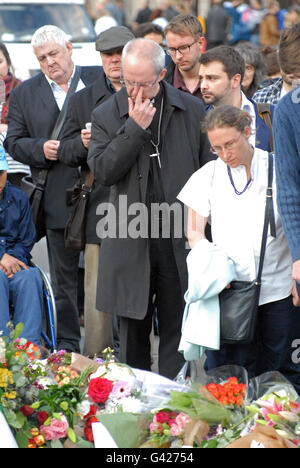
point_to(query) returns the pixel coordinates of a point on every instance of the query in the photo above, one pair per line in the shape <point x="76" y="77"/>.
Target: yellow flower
<point x="6" y="378"/>
<point x="10" y="395"/>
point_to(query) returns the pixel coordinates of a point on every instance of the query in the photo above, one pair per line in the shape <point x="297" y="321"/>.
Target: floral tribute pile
<point x="55" y="402"/>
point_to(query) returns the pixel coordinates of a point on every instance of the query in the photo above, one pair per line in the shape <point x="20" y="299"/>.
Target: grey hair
<point x="49" y="33"/>
<point x="145" y="50"/>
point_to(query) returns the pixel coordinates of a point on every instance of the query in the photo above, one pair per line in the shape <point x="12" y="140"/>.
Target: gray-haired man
<point x="146" y="150"/>
<point x="33" y="112"/>
<point x="73" y="151"/>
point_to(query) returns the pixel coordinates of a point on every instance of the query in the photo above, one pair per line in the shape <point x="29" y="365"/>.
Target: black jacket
<point x="32" y="115"/>
<point x="119" y="157"/>
<point x="73" y="153"/>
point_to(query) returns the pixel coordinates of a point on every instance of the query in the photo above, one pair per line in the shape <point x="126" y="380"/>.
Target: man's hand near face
<point x="11" y="265"/>
<point x="142" y="112"/>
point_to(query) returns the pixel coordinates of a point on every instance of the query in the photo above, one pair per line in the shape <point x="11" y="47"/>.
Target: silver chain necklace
<point x="156" y="145"/>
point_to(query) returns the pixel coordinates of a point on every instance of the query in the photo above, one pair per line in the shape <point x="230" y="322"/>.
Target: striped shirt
<point x="15" y="167"/>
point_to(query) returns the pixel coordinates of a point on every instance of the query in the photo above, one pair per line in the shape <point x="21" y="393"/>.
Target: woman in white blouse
<point x="230" y="193"/>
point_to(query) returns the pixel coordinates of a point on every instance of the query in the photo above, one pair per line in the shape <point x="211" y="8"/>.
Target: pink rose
<point x="58" y="429"/>
<point x="182" y="419"/>
<point x="175" y="430"/>
<point x="153" y="427"/>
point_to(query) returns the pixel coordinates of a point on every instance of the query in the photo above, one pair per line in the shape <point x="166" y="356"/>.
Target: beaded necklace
<point x="232" y="183"/>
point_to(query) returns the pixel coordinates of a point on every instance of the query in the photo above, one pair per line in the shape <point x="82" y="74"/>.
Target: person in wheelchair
<point x="21" y="294"/>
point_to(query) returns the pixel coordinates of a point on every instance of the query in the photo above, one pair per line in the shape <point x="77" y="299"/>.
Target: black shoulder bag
<point x="35" y="190"/>
<point x="75" y="228"/>
<point x="239" y="303"/>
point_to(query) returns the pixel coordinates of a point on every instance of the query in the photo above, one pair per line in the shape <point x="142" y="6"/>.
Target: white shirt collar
<point x="54" y="85"/>
<point x="248" y="106"/>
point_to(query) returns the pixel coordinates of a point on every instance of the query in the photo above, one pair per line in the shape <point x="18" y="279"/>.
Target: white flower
<point x="114" y="371"/>
<point x="131" y="405"/>
<point x="83" y="408"/>
<point x="45" y="382"/>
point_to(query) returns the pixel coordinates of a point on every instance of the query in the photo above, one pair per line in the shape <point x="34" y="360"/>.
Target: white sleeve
<point x="196" y="192"/>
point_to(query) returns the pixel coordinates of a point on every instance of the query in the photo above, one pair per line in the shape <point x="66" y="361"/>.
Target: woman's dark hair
<point x="226" y="116"/>
<point x="4" y="50"/>
<point x="252" y="55"/>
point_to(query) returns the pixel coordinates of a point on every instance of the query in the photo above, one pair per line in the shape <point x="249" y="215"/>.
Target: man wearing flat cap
<point x="73" y="152"/>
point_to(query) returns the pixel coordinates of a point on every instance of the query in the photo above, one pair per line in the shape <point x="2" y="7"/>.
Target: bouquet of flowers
<point x="56" y="402"/>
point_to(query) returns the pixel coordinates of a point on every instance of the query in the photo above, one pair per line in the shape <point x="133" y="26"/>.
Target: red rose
<point x="42" y="416"/>
<point x="99" y="389"/>
<point x="88" y="432"/>
<point x="27" y="410"/>
<point x="162" y="416"/>
<point x="92" y="412"/>
<point x="91" y="420"/>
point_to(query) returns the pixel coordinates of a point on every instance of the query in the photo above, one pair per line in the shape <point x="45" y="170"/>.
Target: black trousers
<point x="63" y="265"/>
<point x="166" y="296"/>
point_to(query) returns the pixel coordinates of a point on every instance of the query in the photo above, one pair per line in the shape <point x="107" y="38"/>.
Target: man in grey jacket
<point x="146" y="151"/>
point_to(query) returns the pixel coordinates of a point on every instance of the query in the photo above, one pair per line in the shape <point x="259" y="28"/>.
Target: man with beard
<point x="185" y="41"/>
<point x="221" y="74"/>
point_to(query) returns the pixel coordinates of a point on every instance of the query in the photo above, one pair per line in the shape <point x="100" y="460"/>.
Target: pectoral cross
<point x="156" y="155"/>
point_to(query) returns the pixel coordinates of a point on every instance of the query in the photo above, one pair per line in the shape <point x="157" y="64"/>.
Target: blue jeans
<point x="24" y="292"/>
<point x="278" y="327"/>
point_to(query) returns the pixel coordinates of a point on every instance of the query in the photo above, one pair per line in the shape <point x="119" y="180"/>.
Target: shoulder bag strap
<point x="62" y="115"/>
<point x="264" y="110"/>
<point x="269" y="217"/>
<point x="42" y="177"/>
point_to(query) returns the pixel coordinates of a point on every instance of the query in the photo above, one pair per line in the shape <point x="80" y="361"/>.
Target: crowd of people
<point x="173" y="122"/>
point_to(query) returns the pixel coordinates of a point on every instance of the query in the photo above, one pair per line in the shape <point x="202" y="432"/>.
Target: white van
<point x="19" y="19"/>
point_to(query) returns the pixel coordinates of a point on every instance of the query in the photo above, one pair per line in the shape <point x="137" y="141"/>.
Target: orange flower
<point x="34" y="431"/>
<point x="39" y="440"/>
<point x="229" y="393"/>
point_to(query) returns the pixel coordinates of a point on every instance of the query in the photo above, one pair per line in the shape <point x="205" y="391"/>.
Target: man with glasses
<point x="73" y="151"/>
<point x="145" y="151"/>
<point x="185" y="41"/>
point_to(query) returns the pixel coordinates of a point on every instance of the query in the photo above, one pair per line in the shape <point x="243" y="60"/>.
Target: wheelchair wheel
<point x="49" y="326"/>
